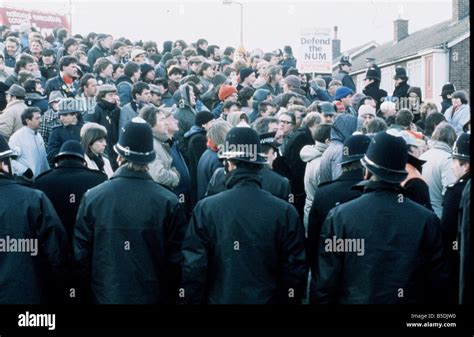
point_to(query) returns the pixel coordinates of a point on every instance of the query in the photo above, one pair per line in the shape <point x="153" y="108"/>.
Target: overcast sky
<point x="267" y="24"/>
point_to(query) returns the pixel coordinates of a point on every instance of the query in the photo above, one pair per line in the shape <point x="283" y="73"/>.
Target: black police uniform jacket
<point x="403" y="259"/>
<point x="346" y="79"/>
<point x="464" y="239"/>
<point x="127" y="240"/>
<point x="272" y="182"/>
<point x="59" y="135"/>
<point x="65" y="185"/>
<point x="327" y="196"/>
<point x="373" y="90"/>
<point x="244" y="246"/>
<point x="26" y="213"/>
<point x="401" y="90"/>
<point x="449" y="227"/>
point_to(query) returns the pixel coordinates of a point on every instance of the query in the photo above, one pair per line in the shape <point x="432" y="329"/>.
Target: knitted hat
<point x="145" y="68"/>
<point x="244" y="73"/>
<point x="342" y="92"/>
<point x="203" y="117"/>
<point x="225" y="91"/>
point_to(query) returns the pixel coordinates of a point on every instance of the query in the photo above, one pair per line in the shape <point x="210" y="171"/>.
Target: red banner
<point x="45" y="22"/>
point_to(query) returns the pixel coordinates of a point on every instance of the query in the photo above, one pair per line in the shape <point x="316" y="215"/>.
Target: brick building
<point x="432" y="56"/>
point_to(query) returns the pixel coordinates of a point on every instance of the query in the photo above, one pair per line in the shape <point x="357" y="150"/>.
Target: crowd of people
<point x="194" y="173"/>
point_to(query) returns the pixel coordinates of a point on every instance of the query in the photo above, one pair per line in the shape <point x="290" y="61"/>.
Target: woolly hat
<point x="203" y="117"/>
<point x="225" y="91"/>
<point x="342" y="92"/>
<point x="244" y="73"/>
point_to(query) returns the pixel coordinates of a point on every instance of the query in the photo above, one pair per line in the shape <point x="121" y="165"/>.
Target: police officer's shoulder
<point x="166" y="191"/>
<point x="96" y="172"/>
<point x="43" y="174"/>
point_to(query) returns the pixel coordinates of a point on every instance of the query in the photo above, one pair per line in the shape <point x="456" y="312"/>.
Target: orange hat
<point x="225" y="91"/>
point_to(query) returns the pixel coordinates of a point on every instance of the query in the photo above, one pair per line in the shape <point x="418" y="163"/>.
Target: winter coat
<point x="449" y="227"/>
<point x="445" y="105"/>
<point x="228" y="257"/>
<point x="326" y="197"/>
<point x="415" y="187"/>
<point x="272" y="182"/>
<point x="464" y="239"/>
<point x="93" y="166"/>
<point x="10" y="118"/>
<point x="49" y="71"/>
<point x="127" y="113"/>
<point x="438" y="173"/>
<point x="183" y="189"/>
<point x="311" y="155"/>
<point x="196" y="141"/>
<point x="107" y="115"/>
<point x="59" y="135"/>
<point x="208" y="163"/>
<point x="275" y="91"/>
<point x="124" y="89"/>
<point x="30" y="215"/>
<point x="36" y="100"/>
<point x="401" y="90"/>
<point x="127" y="240"/>
<point x="58" y="84"/>
<point x="403" y="260"/>
<point x="343" y="127"/>
<point x="345" y="79"/>
<point x="186" y="116"/>
<point x="461" y="116"/>
<point x="297" y="166"/>
<point x="160" y="168"/>
<point x="95" y="53"/>
<point x="373" y="90"/>
<point x="65" y="185"/>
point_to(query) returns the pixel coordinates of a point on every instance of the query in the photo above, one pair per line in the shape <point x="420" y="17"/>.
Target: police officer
<point x="372" y="86"/>
<point x="380" y="247"/>
<point x="70" y="129"/>
<point x="128" y="233"/>
<point x="228" y="257"/>
<point x="333" y="193"/>
<point x="272" y="182"/>
<point x="452" y="199"/>
<point x="65" y="185"/>
<point x="401" y="85"/>
<point x="27" y="215"/>
<point x="343" y="74"/>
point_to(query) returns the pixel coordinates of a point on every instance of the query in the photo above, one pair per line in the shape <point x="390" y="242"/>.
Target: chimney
<point x="400" y="29"/>
<point x="336" y="45"/>
<point x="460" y="9"/>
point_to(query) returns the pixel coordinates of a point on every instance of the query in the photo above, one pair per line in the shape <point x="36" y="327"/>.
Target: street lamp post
<point x="229" y="2"/>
